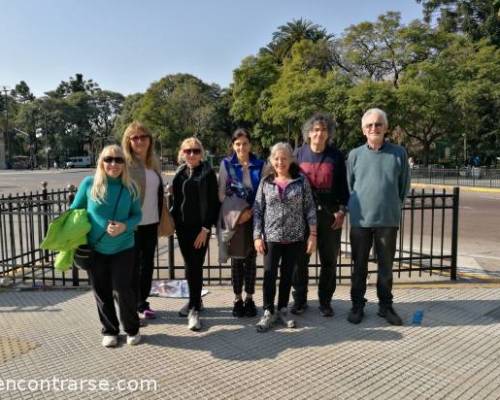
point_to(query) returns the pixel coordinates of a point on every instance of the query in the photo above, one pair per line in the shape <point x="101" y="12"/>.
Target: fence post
<point x="75" y="274"/>
<point x="45" y="219"/>
<point x="171" y="260"/>
<point x="454" y="234"/>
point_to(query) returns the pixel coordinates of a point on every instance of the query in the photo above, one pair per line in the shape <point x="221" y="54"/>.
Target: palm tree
<point x="293" y="32"/>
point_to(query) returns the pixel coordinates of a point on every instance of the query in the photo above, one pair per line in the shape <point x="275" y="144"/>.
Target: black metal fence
<point x="427" y="242"/>
<point x="472" y="176"/>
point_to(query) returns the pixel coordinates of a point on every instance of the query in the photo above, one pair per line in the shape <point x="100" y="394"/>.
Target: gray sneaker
<point x="184" y="311"/>
<point x="266" y="322"/>
<point x="282" y="318"/>
<point x="194" y="322"/>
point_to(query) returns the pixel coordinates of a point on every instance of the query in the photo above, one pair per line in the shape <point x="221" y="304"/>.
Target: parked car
<point x="78" y="162"/>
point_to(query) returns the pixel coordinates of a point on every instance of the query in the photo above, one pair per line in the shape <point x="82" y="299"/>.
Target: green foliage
<point x="478" y="19"/>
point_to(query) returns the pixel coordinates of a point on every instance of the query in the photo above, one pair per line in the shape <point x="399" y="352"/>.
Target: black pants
<point x="193" y="260"/>
<point x="146" y="239"/>
<point x="385" y="248"/>
<point x="244" y="270"/>
<point x="111" y="279"/>
<point x="286" y="253"/>
<point x="328" y="249"/>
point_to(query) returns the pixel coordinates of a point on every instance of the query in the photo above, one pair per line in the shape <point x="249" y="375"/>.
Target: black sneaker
<point x="250" y="309"/>
<point x="326" y="310"/>
<point x="238" y="309"/>
<point x="299" y="308"/>
<point x="390" y="315"/>
<point x="356" y="315"/>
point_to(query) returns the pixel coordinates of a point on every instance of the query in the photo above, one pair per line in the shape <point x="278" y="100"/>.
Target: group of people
<point x="284" y="209"/>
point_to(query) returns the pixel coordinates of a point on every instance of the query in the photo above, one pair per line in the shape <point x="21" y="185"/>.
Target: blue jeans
<point x="385" y="249"/>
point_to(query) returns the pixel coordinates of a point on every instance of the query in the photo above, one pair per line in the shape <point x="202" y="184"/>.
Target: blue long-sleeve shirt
<point x="379" y="181"/>
<point x="128" y="212"/>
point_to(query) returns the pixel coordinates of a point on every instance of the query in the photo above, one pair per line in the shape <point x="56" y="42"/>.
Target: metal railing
<point x="427" y="242"/>
<point x="473" y="176"/>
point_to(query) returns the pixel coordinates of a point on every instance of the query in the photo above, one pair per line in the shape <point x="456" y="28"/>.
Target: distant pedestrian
<point x="379" y="179"/>
<point x="284" y="217"/>
<point x="112" y="202"/>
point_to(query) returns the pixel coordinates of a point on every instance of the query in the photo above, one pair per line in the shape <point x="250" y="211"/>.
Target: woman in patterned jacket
<point x="284" y="213"/>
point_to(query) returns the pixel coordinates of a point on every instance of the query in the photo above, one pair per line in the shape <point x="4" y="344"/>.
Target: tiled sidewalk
<point x="453" y="354"/>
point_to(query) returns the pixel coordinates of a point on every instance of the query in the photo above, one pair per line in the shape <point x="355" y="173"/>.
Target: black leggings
<point x="287" y="253"/>
<point x="193" y="260"/>
<point x="111" y="278"/>
<point x="146" y="239"/>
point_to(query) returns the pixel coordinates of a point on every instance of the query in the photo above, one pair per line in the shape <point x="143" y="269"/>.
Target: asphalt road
<point x="479" y="223"/>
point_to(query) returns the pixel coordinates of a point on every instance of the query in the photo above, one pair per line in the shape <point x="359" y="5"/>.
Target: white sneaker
<point x="282" y="318"/>
<point x="133" y="340"/>
<point x="266" y="322"/>
<point x="184" y="311"/>
<point x="194" y="320"/>
<point x="109" y="341"/>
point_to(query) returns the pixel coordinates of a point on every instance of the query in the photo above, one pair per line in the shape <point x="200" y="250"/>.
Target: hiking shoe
<point x="109" y="341"/>
<point x="326" y="310"/>
<point x="356" y="315"/>
<point x="149" y="314"/>
<point x="250" y="309"/>
<point x="184" y="311"/>
<point x="390" y="315"/>
<point x="282" y="318"/>
<point x="299" y="308"/>
<point x="266" y="322"/>
<point x="194" y="322"/>
<point x="238" y="309"/>
<point x="133" y="340"/>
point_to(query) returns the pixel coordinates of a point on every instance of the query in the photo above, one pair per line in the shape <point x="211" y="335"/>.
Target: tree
<point x="477" y="19"/>
<point x="294" y="32"/>
<point x="300" y="91"/>
<point x="383" y="49"/>
<point x="181" y="105"/>
<point x="22" y="93"/>
<point x="128" y="113"/>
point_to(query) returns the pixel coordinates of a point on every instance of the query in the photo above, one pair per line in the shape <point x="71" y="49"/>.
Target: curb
<point x="450" y="187"/>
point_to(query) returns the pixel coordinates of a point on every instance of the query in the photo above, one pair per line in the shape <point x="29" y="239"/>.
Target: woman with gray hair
<point x="283" y="213"/>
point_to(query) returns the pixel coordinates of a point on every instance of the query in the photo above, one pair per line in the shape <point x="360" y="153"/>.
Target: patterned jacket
<point x="283" y="217"/>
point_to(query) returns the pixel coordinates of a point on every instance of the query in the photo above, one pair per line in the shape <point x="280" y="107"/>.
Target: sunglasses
<point x="117" y="160"/>
<point x="139" y="138"/>
<point x="192" y="151"/>
<point x="376" y="125"/>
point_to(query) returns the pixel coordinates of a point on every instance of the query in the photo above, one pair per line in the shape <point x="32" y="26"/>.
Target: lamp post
<point x="6" y="127"/>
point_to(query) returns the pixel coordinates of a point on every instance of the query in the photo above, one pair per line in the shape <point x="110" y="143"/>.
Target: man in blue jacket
<point x="324" y="166"/>
<point x="379" y="178"/>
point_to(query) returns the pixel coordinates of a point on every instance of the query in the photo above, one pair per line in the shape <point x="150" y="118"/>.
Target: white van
<point x="78" y="162"/>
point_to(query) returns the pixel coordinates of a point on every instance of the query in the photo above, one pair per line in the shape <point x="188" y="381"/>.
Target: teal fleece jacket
<point x="379" y="181"/>
<point x="128" y="212"/>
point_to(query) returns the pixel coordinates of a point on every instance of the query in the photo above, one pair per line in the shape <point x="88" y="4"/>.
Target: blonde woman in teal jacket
<point x="113" y="205"/>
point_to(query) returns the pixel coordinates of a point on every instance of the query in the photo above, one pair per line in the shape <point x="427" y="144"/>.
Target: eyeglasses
<point x="116" y="160"/>
<point x="376" y="125"/>
<point x="139" y="138"/>
<point x="192" y="151"/>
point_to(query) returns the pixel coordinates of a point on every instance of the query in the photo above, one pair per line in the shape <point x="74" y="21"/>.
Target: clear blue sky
<point x="125" y="45"/>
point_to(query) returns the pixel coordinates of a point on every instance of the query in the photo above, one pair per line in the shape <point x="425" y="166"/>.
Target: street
<point x="479" y="218"/>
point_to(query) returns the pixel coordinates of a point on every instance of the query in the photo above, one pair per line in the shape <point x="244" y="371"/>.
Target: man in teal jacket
<point x="379" y="178"/>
